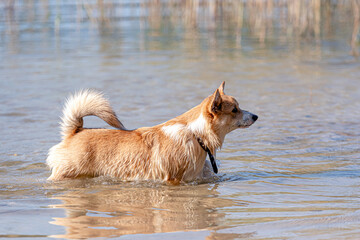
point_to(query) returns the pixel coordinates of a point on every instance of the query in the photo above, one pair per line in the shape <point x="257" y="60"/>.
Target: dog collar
<point x="206" y="149"/>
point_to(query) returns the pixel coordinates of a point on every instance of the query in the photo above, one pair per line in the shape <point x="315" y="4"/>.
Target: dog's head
<point x="226" y="114"/>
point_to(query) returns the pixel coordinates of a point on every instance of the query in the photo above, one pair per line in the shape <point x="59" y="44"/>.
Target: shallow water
<point x="293" y="175"/>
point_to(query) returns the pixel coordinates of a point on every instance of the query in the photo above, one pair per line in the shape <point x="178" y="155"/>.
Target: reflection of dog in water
<point x="110" y="212"/>
<point x="173" y="151"/>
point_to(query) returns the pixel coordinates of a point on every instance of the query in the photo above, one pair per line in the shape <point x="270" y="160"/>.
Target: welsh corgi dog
<point x="174" y="151"/>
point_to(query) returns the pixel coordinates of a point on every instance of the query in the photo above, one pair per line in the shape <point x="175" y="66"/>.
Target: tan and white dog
<point x="173" y="151"/>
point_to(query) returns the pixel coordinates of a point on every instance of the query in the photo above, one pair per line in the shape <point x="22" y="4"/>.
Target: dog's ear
<point x="216" y="102"/>
<point x="221" y="88"/>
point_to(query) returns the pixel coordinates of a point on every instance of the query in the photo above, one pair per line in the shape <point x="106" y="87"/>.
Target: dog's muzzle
<point x="247" y="119"/>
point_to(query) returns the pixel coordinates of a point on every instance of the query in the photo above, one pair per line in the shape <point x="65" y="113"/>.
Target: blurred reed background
<point x="296" y="22"/>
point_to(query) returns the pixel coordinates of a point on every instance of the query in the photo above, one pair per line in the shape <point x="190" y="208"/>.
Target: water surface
<point x="293" y="175"/>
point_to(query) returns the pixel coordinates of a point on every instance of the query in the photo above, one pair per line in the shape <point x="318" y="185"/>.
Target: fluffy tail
<point x="86" y="103"/>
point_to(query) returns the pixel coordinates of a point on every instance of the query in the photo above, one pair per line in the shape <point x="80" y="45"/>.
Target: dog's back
<point x="95" y="152"/>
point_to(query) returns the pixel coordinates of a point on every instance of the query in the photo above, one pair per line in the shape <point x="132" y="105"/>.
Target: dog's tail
<point x="86" y="103"/>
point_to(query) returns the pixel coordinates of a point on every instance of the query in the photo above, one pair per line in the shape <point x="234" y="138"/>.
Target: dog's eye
<point x="235" y="110"/>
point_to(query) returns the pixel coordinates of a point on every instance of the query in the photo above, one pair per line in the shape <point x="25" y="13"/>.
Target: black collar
<point x="206" y="149"/>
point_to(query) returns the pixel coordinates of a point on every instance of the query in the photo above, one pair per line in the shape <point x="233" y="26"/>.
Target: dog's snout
<point x="254" y="117"/>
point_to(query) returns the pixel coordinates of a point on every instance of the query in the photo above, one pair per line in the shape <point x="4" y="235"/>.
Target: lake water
<point x="295" y="174"/>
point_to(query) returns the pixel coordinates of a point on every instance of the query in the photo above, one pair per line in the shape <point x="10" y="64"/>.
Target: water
<point x="293" y="175"/>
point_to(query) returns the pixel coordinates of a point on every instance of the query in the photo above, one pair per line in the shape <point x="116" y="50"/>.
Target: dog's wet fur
<point x="169" y="151"/>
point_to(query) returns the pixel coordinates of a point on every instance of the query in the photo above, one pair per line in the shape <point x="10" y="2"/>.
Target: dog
<point x="174" y="151"/>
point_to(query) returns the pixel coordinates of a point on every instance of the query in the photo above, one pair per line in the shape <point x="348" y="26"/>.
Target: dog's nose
<point x="254" y="117"/>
